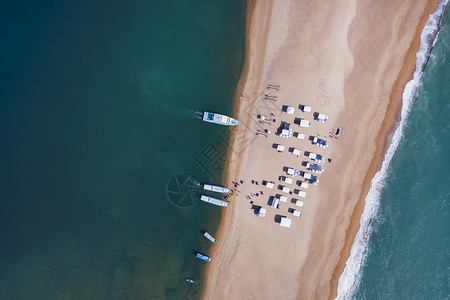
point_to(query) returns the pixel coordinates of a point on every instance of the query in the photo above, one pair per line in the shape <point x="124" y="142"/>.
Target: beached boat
<point x="203" y="257"/>
<point x="215" y="201"/>
<point x="210" y="237"/>
<point x="219" y="119"/>
<point x="191" y="280"/>
<point x="216" y="188"/>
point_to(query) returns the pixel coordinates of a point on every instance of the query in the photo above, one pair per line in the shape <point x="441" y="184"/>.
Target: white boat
<point x="216" y="188"/>
<point x="219" y="119"/>
<point x="215" y="201"/>
<point x="210" y="237"/>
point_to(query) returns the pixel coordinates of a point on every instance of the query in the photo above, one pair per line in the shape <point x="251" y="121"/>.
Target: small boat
<point x="219" y="119"/>
<point x="203" y="257"/>
<point x="216" y="188"/>
<point x="215" y="201"/>
<point x="210" y="237"/>
<point x="191" y="280"/>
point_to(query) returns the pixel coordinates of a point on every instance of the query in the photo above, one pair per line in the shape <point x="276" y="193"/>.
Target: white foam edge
<point x="351" y="277"/>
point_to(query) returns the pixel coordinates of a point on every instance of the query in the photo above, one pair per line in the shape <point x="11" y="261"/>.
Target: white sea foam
<point x="350" y="279"/>
<point x="197" y="114"/>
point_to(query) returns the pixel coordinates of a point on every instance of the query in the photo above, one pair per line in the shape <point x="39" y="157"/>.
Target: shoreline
<point x="240" y="88"/>
<point x="383" y="138"/>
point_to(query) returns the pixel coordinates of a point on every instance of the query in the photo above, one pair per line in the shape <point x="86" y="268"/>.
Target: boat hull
<point x="216" y="188"/>
<point x="203" y="257"/>
<point x="214" y="201"/>
<point x="219" y="119"/>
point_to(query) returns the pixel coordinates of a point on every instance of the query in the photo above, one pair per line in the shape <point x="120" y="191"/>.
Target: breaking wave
<point x="350" y="279"/>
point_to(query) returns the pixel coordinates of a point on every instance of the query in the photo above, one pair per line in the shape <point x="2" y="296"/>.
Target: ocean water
<point x="100" y="111"/>
<point x="402" y="249"/>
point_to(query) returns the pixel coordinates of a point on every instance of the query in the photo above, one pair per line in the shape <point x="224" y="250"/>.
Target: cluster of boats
<point x="221" y="120"/>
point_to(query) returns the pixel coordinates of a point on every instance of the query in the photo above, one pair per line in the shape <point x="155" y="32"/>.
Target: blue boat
<point x="203" y="257"/>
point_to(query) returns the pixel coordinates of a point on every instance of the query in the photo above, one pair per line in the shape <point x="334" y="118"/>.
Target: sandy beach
<point x="348" y="60"/>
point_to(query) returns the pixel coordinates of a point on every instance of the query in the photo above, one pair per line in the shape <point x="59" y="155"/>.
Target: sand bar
<point x="342" y="61"/>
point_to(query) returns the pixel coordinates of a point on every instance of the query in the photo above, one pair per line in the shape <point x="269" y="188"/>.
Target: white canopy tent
<point x="290" y="110"/>
<point x="299" y="203"/>
<point x="304" y="185"/>
<point x="305" y="123"/>
<point x="306" y="108"/>
<point x="286" y="189"/>
<point x="301" y="194"/>
<point x="269" y="184"/>
<point x="297" y="213"/>
<point x="296" y="152"/>
<point x="300" y="136"/>
<point x="285" y="222"/>
<point x="283" y="198"/>
<point x="280" y="148"/>
<point x="262" y="212"/>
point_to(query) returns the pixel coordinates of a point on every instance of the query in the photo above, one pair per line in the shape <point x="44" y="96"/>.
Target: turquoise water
<point x="408" y="252"/>
<point x="99" y="109"/>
